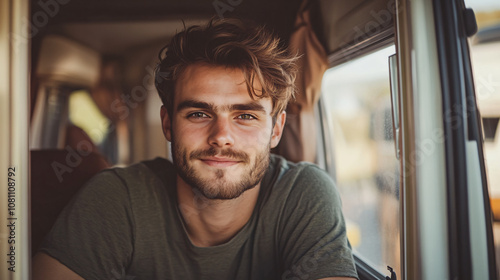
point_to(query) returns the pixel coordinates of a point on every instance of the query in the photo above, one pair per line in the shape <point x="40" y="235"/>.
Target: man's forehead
<point x="202" y="68"/>
<point x="217" y="87"/>
<point x="253" y="105"/>
<point x="212" y="74"/>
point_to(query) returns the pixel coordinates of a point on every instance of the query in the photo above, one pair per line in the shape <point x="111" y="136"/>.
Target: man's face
<point x="221" y="137"/>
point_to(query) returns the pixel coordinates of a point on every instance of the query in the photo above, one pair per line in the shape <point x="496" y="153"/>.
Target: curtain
<point x="299" y="142"/>
<point x="108" y="94"/>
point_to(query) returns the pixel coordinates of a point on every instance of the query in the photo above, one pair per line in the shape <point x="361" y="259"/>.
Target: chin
<point x="223" y="194"/>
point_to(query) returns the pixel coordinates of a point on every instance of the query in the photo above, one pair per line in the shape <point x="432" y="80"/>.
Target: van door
<point x="447" y="213"/>
<point x="414" y="192"/>
<point x="14" y="118"/>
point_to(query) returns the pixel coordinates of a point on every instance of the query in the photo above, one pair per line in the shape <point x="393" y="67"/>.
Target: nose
<point x="220" y="133"/>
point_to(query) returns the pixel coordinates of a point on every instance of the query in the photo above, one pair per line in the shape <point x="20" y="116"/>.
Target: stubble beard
<point x="218" y="185"/>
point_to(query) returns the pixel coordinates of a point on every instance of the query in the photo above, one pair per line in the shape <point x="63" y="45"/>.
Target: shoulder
<point x="309" y="221"/>
<point x="299" y="177"/>
<point x="121" y="181"/>
<point x="299" y="187"/>
<point x="158" y="167"/>
<point x="284" y="167"/>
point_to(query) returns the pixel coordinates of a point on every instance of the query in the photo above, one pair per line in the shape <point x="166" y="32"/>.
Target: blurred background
<point x="358" y="96"/>
<point x="485" y="56"/>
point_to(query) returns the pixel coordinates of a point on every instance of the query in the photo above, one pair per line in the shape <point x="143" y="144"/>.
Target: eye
<point x="246" y="117"/>
<point x="198" y="115"/>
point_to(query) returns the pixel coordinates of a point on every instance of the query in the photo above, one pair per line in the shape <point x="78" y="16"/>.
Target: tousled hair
<point x="234" y="44"/>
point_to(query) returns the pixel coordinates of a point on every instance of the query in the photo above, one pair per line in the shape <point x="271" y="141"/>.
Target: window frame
<point x="415" y="34"/>
<point x="371" y="45"/>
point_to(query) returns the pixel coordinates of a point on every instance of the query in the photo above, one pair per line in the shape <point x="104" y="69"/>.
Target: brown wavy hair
<point x="231" y="43"/>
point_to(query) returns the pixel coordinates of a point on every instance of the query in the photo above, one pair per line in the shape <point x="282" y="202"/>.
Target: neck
<point x="211" y="222"/>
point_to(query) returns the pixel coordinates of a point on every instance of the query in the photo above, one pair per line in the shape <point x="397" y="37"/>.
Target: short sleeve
<point x="93" y="236"/>
<point x="313" y="239"/>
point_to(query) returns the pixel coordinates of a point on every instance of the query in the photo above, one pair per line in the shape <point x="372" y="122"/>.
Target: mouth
<point x="220" y="161"/>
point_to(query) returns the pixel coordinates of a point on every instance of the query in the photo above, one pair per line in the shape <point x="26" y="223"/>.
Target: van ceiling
<point x="117" y="25"/>
<point x="120" y="37"/>
<point x="113" y="26"/>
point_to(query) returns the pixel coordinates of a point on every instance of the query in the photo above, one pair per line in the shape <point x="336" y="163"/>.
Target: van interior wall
<point x="277" y="14"/>
<point x="131" y="30"/>
<point x="131" y="34"/>
<point x="347" y="26"/>
<point x="147" y="140"/>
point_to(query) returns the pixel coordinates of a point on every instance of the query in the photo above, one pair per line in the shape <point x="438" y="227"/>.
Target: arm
<point x="46" y="267"/>
<point x="92" y="236"/>
<point x="338" y="278"/>
<point x="313" y="236"/>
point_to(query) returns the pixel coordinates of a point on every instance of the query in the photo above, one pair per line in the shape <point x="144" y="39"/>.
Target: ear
<point x="166" y="123"/>
<point x="278" y="129"/>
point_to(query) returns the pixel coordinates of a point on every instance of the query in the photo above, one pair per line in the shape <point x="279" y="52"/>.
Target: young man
<point x="225" y="208"/>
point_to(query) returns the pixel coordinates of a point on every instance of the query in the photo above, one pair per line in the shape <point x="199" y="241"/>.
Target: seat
<point x="56" y="175"/>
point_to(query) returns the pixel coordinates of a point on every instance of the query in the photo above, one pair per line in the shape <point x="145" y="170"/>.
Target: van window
<point x="84" y="113"/>
<point x="490" y="126"/>
<point x="485" y="59"/>
<point x="358" y="105"/>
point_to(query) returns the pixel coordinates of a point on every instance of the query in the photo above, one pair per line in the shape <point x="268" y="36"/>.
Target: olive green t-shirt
<point x="125" y="223"/>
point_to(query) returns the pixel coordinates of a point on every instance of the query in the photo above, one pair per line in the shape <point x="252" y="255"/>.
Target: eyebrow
<point x="252" y="106"/>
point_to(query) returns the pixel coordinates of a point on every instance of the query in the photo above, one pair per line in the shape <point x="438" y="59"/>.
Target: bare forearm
<point x="46" y="267"/>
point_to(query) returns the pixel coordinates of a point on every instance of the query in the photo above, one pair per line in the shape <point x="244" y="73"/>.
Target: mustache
<point x="211" y="152"/>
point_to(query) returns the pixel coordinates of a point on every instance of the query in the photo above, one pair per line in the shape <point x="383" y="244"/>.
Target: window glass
<point x="358" y="107"/>
<point x="485" y="58"/>
<point x="84" y="113"/>
<point x="490" y="126"/>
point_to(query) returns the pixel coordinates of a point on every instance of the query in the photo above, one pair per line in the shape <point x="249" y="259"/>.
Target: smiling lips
<point x="220" y="162"/>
